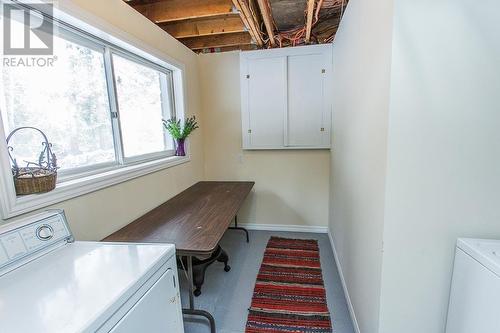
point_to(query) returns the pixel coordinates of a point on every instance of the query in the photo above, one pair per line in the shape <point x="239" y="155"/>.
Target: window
<point x="68" y="102"/>
<point x="145" y="89"/>
<point x="100" y="107"/>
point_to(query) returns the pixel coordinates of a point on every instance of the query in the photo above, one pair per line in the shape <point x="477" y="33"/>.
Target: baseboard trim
<point x="344" y="285"/>
<point x="284" y="227"/>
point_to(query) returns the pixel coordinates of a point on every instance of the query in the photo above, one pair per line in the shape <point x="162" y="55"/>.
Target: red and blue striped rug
<point x="289" y="294"/>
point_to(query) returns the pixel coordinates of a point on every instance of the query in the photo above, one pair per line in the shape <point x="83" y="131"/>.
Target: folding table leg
<point x="191" y="310"/>
<point x="239" y="228"/>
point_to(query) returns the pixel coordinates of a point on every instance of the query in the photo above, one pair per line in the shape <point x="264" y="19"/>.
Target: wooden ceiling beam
<point x="249" y="20"/>
<point x="227" y="23"/>
<point x="242" y="47"/>
<point x="229" y="39"/>
<point x="236" y="24"/>
<point x="201" y="18"/>
<point x="309" y="19"/>
<point x="267" y="16"/>
<point x="176" y="10"/>
<point x="140" y="2"/>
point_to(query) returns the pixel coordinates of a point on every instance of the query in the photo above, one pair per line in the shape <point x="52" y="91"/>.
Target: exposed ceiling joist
<point x="223" y="25"/>
<point x="309" y="19"/>
<point x="243" y="47"/>
<point x="176" y="10"/>
<point x="267" y="16"/>
<point x="214" y="41"/>
<point x="249" y="20"/>
<point x="226" y="23"/>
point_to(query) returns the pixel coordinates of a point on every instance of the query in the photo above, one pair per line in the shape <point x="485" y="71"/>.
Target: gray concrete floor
<point x="227" y="296"/>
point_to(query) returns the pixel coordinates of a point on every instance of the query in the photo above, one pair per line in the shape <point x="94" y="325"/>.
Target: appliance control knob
<point x="44" y="232"/>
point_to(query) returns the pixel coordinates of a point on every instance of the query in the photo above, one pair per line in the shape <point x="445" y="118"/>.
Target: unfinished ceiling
<point x="225" y="25"/>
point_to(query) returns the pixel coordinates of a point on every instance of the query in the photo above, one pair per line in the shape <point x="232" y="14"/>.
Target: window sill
<point x="13" y="205"/>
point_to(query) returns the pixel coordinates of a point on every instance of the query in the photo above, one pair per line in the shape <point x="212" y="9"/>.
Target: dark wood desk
<point x="194" y="220"/>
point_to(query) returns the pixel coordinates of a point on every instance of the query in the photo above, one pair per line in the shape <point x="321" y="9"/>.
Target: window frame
<point x="113" y="95"/>
<point x="90" y="179"/>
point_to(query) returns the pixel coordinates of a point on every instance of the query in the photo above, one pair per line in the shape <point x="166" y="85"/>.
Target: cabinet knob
<point x="249" y="131"/>
<point x="322" y="129"/>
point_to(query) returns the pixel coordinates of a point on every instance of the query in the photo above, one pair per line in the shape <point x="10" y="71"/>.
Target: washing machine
<point x="50" y="283"/>
<point x="475" y="290"/>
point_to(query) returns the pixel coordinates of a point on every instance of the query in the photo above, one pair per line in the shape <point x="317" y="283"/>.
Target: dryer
<point x="475" y="291"/>
<point x="51" y="283"/>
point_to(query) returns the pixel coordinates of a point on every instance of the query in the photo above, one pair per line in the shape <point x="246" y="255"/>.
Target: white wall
<point x="291" y="186"/>
<point x="362" y="54"/>
<point x="96" y="215"/>
<point x="443" y="178"/>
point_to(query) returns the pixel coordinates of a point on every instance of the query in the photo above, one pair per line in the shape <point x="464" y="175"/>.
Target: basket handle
<point x="46" y="143"/>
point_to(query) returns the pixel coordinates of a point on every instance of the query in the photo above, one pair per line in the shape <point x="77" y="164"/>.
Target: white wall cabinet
<point x="286" y="98"/>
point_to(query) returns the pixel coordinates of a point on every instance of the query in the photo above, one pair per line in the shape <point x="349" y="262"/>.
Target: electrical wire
<point x="332" y="36"/>
<point x="296" y="36"/>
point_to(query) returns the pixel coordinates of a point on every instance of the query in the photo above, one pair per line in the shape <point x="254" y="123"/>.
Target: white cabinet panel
<point x="159" y="310"/>
<point x="305" y="100"/>
<point x="266" y="101"/>
<point x="286" y="98"/>
<point x="474" y="297"/>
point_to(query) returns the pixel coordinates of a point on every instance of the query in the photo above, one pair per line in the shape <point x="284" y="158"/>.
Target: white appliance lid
<point x="76" y="285"/>
<point x="485" y="251"/>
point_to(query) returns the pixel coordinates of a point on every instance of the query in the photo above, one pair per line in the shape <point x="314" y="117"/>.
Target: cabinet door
<point x="307" y="101"/>
<point x="264" y="102"/>
<point x="159" y="310"/>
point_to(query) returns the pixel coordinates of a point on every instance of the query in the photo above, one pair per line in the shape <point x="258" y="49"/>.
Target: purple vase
<point x="179" y="150"/>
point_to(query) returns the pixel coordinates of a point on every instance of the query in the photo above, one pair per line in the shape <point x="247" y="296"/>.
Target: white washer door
<point x="474" y="299"/>
<point x="158" y="310"/>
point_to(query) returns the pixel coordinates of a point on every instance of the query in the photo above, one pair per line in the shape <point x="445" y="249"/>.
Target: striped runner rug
<point x="289" y="294"/>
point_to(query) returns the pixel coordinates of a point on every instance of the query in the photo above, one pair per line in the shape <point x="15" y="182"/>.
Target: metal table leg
<point x="239" y="228"/>
<point x="191" y="310"/>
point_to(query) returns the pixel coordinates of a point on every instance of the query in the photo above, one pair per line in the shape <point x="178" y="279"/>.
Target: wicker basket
<point x="35" y="181"/>
<point x="36" y="177"/>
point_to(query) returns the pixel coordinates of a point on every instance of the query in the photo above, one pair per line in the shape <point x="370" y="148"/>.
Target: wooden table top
<point x="194" y="220"/>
